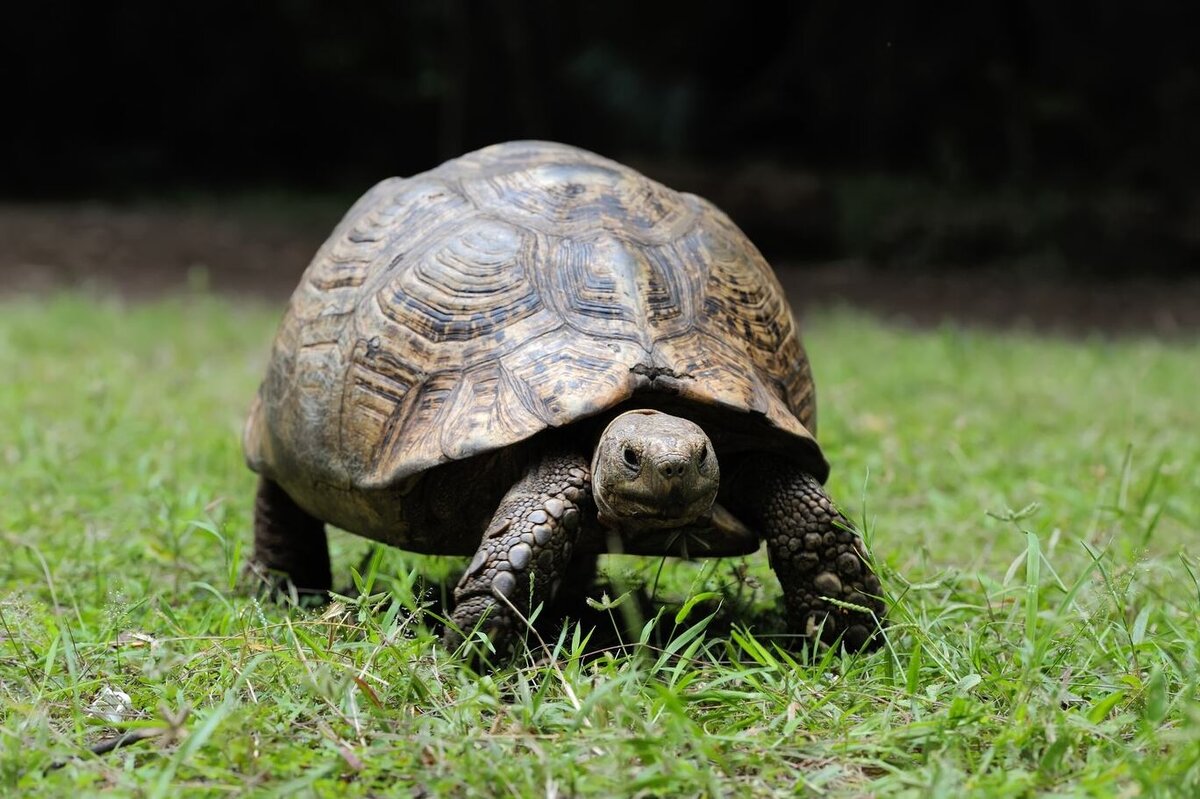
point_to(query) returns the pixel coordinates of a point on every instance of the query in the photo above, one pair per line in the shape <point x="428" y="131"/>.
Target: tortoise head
<point x="653" y="471"/>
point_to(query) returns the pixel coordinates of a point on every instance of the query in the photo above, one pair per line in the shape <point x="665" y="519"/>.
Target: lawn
<point x="1033" y="504"/>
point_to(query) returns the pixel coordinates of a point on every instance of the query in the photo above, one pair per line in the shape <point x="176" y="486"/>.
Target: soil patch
<point x="145" y="252"/>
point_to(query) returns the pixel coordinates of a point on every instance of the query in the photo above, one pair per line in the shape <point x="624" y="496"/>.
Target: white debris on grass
<point x="111" y="704"/>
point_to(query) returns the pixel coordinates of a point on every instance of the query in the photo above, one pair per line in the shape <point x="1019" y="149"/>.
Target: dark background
<point x="1019" y="139"/>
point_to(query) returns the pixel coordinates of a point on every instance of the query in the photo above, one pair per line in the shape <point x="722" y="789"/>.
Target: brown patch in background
<point x="142" y="252"/>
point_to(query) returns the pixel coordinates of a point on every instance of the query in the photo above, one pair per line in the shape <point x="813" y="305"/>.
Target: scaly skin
<point x="289" y="544"/>
<point x="815" y="554"/>
<point x="525" y="551"/>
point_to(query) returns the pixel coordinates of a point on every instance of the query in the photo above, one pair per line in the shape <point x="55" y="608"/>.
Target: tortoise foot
<point x="291" y="556"/>
<point x="523" y="555"/>
<point x="830" y="590"/>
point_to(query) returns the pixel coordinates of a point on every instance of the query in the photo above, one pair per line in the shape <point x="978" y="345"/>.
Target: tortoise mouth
<point x="631" y="509"/>
<point x="686" y="542"/>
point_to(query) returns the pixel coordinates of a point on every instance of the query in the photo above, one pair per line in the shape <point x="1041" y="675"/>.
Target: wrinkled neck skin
<point x="653" y="471"/>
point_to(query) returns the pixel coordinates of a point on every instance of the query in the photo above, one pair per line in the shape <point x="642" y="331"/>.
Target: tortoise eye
<point x="631" y="457"/>
<point x="703" y="454"/>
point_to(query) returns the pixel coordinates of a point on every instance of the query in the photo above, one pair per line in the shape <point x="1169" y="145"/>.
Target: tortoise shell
<point x="522" y="287"/>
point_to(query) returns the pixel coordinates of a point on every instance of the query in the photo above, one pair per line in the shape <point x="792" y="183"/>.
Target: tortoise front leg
<point x="815" y="553"/>
<point x="525" y="551"/>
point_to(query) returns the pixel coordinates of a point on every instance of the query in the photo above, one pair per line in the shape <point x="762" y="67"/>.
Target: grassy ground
<point x="1034" y="505"/>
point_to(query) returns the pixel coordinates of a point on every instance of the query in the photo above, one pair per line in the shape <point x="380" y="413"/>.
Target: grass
<point x="1034" y="505"/>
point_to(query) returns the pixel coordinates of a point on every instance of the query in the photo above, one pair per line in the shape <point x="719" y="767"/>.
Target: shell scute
<point x="520" y="287"/>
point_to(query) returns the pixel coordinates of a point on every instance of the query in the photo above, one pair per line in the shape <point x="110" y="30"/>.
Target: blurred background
<point x="1001" y="161"/>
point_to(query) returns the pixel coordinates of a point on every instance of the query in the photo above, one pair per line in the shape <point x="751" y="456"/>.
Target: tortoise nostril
<point x="670" y="468"/>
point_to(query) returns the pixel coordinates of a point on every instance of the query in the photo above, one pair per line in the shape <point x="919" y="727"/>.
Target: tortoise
<point x="531" y="355"/>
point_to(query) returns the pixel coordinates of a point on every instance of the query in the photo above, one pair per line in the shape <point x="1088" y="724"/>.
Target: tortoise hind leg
<point x="815" y="553"/>
<point x="524" y="553"/>
<point x="289" y="544"/>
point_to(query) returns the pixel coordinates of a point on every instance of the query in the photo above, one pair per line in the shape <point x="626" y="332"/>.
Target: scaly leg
<point x="288" y="543"/>
<point x="815" y="553"/>
<point x="525" y="551"/>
